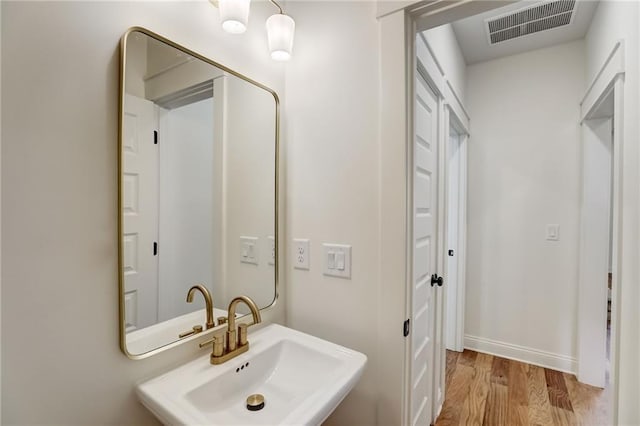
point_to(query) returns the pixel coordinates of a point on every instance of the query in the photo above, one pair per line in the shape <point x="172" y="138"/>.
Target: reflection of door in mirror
<point x="169" y="216"/>
<point x="140" y="224"/>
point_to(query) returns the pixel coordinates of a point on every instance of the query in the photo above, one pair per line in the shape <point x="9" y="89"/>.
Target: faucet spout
<point x="207" y="299"/>
<point x="255" y="311"/>
<point x="232" y="341"/>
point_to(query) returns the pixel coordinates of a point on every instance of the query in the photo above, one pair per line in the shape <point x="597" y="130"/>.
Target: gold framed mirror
<point x="198" y="193"/>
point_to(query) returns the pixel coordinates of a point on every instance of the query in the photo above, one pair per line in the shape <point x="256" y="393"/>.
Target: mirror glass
<point x="197" y="177"/>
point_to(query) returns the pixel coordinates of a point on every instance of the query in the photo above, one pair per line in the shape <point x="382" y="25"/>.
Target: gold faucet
<point x="236" y="341"/>
<point x="207" y="299"/>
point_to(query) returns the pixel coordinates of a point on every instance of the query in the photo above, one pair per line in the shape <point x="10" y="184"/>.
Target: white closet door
<point x="140" y="213"/>
<point x="425" y="161"/>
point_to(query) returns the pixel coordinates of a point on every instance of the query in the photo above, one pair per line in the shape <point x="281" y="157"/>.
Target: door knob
<point x="435" y="279"/>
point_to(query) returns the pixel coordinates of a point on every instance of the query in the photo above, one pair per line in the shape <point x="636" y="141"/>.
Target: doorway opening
<point x="598" y="239"/>
<point x="527" y="205"/>
<point x="596" y="247"/>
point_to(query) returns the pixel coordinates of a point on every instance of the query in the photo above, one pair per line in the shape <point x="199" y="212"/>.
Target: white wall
<point x="332" y="176"/>
<point x="395" y="138"/>
<point x="60" y="357"/>
<point x="614" y="21"/>
<point x="446" y="49"/>
<point x="524" y="173"/>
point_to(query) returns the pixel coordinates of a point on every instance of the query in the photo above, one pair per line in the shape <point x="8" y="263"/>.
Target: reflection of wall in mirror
<point x="249" y="198"/>
<point x="242" y="174"/>
<point x="136" y="65"/>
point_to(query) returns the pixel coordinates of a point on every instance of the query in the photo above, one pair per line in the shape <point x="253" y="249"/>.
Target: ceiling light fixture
<point x="234" y="15"/>
<point x="280" y="31"/>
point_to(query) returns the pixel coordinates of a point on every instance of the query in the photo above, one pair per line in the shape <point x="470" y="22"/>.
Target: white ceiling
<point x="472" y="36"/>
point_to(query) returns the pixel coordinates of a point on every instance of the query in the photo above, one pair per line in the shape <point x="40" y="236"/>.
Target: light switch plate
<point x="301" y="253"/>
<point x="337" y="260"/>
<point x="553" y="232"/>
<point x="249" y="250"/>
<point x="272" y="250"/>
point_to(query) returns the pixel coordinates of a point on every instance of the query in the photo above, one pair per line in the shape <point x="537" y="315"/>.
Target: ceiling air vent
<point x="530" y="20"/>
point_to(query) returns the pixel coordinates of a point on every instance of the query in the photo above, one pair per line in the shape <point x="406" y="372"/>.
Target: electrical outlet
<point x="301" y="254"/>
<point x="272" y="250"/>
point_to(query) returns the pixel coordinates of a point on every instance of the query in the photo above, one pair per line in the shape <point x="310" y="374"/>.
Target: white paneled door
<point x="140" y="212"/>
<point x="424" y="170"/>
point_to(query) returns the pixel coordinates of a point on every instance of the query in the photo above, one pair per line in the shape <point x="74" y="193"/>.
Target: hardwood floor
<point x="487" y="390"/>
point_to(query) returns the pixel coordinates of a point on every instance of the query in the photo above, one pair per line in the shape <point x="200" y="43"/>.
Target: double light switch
<point x="249" y="250"/>
<point x="337" y="260"/>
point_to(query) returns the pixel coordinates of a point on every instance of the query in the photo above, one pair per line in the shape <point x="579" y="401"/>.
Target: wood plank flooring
<point x="492" y="391"/>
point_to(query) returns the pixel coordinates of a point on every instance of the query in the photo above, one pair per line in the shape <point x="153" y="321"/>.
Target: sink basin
<point x="302" y="378"/>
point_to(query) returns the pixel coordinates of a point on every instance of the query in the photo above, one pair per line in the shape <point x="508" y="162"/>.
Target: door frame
<point x="609" y="82"/>
<point x="452" y="120"/>
<point x="594" y="249"/>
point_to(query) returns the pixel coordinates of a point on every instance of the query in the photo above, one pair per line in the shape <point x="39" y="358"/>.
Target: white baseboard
<point x="522" y="353"/>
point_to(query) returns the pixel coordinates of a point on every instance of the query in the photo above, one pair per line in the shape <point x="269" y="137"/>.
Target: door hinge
<point x="406" y="328"/>
<point x="155" y="248"/>
<point x="155" y="137"/>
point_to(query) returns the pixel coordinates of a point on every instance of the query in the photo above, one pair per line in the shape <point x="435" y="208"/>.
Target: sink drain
<point x="255" y="402"/>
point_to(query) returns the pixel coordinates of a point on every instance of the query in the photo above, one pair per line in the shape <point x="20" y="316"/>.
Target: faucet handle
<point x="207" y="343"/>
<point x="242" y="334"/>
<point x="218" y="345"/>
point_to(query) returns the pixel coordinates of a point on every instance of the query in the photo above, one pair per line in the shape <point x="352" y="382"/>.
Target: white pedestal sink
<point x="302" y="379"/>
